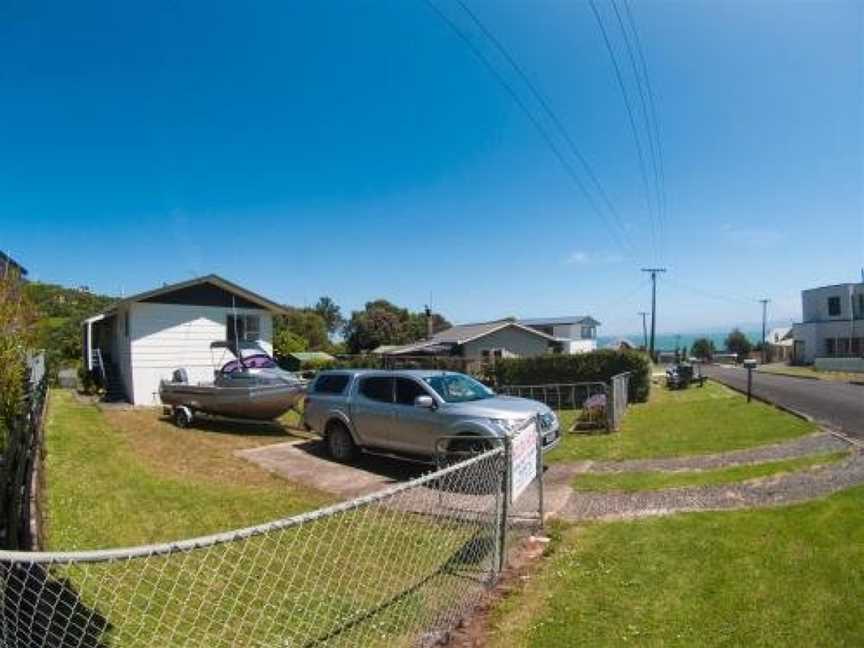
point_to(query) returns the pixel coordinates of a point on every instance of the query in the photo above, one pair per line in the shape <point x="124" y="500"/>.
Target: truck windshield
<point x="456" y="388"/>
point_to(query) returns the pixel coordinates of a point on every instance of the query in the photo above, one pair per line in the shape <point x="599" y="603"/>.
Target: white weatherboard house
<point x="142" y="339"/>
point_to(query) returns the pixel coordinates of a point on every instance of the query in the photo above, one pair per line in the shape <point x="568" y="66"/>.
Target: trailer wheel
<point x="182" y="417"/>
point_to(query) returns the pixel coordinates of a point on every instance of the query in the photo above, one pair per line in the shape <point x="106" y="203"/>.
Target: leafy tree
<point x="703" y="348"/>
<point x="737" y="343"/>
<point x="17" y="335"/>
<point x="286" y="342"/>
<point x="60" y="312"/>
<point x="330" y="313"/>
<point x="382" y="322"/>
<point x="305" y="323"/>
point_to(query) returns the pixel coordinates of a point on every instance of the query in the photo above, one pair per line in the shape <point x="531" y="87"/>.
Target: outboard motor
<point x="180" y="376"/>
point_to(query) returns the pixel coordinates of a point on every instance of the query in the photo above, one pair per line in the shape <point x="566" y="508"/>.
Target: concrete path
<point x="836" y="404"/>
<point x="305" y="462"/>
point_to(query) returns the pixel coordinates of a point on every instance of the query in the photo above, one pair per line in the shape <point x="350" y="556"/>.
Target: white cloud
<point x="578" y="258"/>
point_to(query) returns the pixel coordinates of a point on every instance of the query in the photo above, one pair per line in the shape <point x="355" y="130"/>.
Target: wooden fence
<point x="19" y="480"/>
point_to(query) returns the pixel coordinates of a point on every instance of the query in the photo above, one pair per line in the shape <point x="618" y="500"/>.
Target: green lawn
<point x="810" y="372"/>
<point x="120" y="478"/>
<point x="131" y="483"/>
<point x="676" y="423"/>
<point x="791" y="576"/>
<point x="657" y="480"/>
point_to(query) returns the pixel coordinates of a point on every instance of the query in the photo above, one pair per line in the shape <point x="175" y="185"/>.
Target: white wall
<point x="579" y="346"/>
<point x="166" y="337"/>
<point x="813" y="335"/>
<point x="814" y="302"/>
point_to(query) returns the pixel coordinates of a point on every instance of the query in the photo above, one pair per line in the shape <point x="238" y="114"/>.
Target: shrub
<point x="584" y="367"/>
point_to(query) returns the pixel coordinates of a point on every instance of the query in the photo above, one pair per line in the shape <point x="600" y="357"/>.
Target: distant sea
<point x="666" y="341"/>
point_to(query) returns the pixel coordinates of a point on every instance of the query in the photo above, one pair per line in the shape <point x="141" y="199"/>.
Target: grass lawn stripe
<point x="658" y="480"/>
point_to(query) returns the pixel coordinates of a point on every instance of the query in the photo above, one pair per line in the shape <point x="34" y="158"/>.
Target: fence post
<point x="505" y="504"/>
<point x="540" y="504"/>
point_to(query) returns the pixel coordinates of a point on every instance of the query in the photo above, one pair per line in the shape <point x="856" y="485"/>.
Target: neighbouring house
<point x="305" y="360"/>
<point x="7" y="263"/>
<point x="143" y="338"/>
<point x="779" y="343"/>
<point x="831" y="332"/>
<point x="576" y="334"/>
<point x="622" y="344"/>
<point x="499" y="339"/>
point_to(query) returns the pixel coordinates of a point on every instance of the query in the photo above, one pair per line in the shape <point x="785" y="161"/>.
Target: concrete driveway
<point x="306" y="462"/>
<point x="835" y="404"/>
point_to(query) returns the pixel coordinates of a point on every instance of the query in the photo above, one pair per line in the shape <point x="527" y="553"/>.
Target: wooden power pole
<point x="764" y="303"/>
<point x="653" y="272"/>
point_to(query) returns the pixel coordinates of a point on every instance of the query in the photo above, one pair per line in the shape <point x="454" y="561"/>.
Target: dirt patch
<point x="474" y="631"/>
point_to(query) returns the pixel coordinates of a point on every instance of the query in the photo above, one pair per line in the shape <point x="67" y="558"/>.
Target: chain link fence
<point x="396" y="568"/>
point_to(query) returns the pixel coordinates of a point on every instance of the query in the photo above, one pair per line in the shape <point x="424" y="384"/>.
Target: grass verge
<point x="788" y="576"/>
<point x="656" y="480"/>
<point x="810" y="372"/>
<point x="688" y="422"/>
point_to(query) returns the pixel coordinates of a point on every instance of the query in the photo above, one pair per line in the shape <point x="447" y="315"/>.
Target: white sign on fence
<point x="523" y="460"/>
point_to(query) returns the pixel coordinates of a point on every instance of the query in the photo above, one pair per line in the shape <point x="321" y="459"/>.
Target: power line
<point x="552" y="115"/>
<point x="633" y="128"/>
<point x="547" y="138"/>
<point x="645" y="116"/>
<point x="651" y="101"/>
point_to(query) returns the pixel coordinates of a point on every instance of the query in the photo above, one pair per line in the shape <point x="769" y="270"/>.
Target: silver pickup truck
<point x="408" y="412"/>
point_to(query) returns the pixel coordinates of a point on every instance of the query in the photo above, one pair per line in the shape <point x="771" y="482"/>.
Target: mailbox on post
<point x="749" y="365"/>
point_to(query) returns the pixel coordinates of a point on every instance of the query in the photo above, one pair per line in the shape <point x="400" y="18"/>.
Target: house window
<point x="588" y="332"/>
<point x="245" y="328"/>
<point x="830" y="346"/>
<point x="861" y="305"/>
<point x="833" y="306"/>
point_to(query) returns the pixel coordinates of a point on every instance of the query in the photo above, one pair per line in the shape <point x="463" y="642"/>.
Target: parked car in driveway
<point x="408" y="412"/>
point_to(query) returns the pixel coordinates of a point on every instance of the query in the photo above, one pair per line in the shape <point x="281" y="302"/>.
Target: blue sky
<point x="361" y="150"/>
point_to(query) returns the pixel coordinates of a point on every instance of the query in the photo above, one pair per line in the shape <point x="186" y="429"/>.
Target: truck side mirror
<point x="424" y="401"/>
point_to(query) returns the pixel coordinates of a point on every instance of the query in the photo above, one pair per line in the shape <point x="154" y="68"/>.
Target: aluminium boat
<point x="249" y="387"/>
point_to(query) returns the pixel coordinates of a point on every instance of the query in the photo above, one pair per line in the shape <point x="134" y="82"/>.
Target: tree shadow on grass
<point x="42" y="610"/>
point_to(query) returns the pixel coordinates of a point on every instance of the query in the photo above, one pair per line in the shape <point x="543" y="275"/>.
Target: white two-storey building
<point x="576" y="334"/>
<point x="832" y="326"/>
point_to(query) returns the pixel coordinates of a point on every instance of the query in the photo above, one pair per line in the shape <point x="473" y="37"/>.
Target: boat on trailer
<point x="249" y="387"/>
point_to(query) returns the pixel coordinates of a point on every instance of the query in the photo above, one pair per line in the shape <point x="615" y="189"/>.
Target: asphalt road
<point x="836" y="404"/>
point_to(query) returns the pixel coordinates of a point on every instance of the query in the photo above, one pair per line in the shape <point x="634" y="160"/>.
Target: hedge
<point x="583" y="367"/>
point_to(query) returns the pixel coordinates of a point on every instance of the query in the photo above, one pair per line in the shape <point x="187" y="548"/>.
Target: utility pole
<point x="764" y="303"/>
<point x="644" y="329"/>
<point x="653" y="272"/>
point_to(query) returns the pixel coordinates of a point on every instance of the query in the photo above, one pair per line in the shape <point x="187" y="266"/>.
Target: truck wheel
<point x="182" y="417"/>
<point x="340" y="445"/>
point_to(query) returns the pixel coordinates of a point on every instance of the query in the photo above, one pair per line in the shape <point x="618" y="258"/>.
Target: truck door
<point x="414" y="428"/>
<point x="372" y="410"/>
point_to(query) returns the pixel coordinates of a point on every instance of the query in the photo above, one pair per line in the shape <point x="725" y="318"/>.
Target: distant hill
<point x="61" y="311"/>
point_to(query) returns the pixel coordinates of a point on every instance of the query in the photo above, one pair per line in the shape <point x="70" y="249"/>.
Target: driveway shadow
<point x="388" y="467"/>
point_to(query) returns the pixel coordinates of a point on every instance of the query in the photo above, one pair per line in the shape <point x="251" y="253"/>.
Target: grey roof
<point x="216" y="280"/>
<point x="6" y="260"/>
<point x="462" y="333"/>
<point x="551" y="321"/>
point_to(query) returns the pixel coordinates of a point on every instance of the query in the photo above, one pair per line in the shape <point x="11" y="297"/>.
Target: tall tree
<point x="738" y="343"/>
<point x="383" y="323"/>
<point x="703" y="348"/>
<point x="330" y="313"/>
<point x="304" y="323"/>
